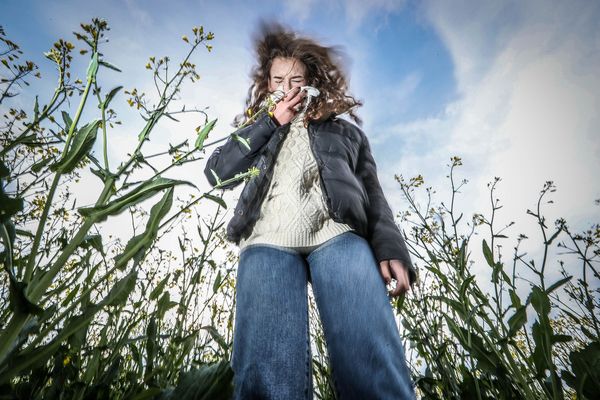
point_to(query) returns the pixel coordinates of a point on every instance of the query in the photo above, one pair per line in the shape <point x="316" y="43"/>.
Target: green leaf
<point x="93" y="66"/>
<point x="586" y="368"/>
<point x="514" y="298"/>
<point x="138" y="245"/>
<point x="36" y="109"/>
<point x="465" y="286"/>
<point x="19" y="302"/>
<point x="217" y="282"/>
<point x="137" y="356"/>
<point x="102" y="173"/>
<point x="558" y="284"/>
<point x="214" y="333"/>
<point x="70" y="296"/>
<point x="242" y="140"/>
<point x="486" y="359"/>
<point x="489" y="257"/>
<point x="587" y="333"/>
<point x="37" y="167"/>
<point x="561" y="338"/>
<point x="204" y="133"/>
<point x="142" y="192"/>
<point x="95" y="241"/>
<point x="462" y="257"/>
<point x="9" y="206"/>
<point x="148" y="127"/>
<point x="109" y="65"/>
<point x="34" y="357"/>
<point x="540" y="301"/>
<point x="110" y="96"/>
<point x="436" y="270"/>
<point x="67" y="120"/>
<point x="216" y="199"/>
<point x="121" y="290"/>
<point x="150" y="346"/>
<point x="92" y="367"/>
<point x="27" y="139"/>
<point x="216" y="176"/>
<point x="542" y="346"/>
<point x="159" y="288"/>
<point x="25" y="233"/>
<point x="81" y="145"/>
<point x="498" y="270"/>
<point x="209" y="382"/>
<point x="164" y="305"/>
<point x="4" y="171"/>
<point x="456" y="306"/>
<point x="517" y="321"/>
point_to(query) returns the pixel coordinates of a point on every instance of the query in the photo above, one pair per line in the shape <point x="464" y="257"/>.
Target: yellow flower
<point x="67" y="361"/>
<point x="254" y="171"/>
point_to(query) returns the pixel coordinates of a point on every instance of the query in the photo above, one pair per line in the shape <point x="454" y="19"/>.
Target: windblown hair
<point x="325" y="70"/>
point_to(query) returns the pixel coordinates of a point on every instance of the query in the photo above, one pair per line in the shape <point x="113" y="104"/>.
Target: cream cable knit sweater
<point x="294" y="212"/>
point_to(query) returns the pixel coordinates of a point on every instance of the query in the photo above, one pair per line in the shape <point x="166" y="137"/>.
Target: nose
<point x="287" y="86"/>
<point x="284" y="88"/>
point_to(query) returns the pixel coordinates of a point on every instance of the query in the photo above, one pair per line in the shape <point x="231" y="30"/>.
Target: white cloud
<point x="386" y="102"/>
<point x="299" y="10"/>
<point x="525" y="74"/>
<point x="358" y="10"/>
<point x="355" y="11"/>
<point x="526" y="112"/>
<point x="139" y="13"/>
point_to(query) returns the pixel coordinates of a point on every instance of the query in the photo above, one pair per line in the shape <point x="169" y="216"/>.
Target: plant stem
<point x="38" y="235"/>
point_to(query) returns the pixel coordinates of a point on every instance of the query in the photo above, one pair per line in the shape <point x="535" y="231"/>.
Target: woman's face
<point x="287" y="73"/>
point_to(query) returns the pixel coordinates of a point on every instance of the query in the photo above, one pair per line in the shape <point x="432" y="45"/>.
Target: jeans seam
<point x="271" y="246"/>
<point x="329" y="242"/>
<point x="308" y="355"/>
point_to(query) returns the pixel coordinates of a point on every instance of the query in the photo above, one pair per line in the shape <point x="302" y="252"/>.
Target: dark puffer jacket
<point x="348" y="178"/>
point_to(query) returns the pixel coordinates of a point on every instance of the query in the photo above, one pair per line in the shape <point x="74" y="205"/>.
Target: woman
<point x="315" y="213"/>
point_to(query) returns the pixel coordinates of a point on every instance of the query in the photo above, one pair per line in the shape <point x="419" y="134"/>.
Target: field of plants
<point x="87" y="315"/>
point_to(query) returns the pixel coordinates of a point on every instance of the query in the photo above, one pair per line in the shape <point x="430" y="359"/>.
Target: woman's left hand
<point x="395" y="269"/>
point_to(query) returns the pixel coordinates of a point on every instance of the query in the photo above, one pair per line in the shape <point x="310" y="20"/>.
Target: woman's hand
<point x="284" y="110"/>
<point x="395" y="269"/>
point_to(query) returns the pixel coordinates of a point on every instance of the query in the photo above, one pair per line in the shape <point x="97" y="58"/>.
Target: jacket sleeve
<point x="233" y="157"/>
<point x="384" y="235"/>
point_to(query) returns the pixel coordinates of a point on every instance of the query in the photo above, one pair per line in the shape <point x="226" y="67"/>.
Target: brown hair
<point x="324" y="70"/>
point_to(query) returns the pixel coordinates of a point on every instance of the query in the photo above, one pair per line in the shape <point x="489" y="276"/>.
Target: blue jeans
<point x="271" y="344"/>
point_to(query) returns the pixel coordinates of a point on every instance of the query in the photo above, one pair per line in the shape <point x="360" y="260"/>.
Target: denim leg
<point x="365" y="349"/>
<point x="271" y="356"/>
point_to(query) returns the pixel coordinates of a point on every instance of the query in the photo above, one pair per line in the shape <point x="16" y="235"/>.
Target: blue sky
<point x="511" y="87"/>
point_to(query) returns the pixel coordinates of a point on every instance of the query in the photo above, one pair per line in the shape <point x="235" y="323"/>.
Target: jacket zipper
<point x="323" y="190"/>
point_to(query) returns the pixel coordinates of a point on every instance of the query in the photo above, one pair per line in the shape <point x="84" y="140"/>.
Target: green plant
<point x="81" y="316"/>
<point x="474" y="340"/>
<point x="86" y="315"/>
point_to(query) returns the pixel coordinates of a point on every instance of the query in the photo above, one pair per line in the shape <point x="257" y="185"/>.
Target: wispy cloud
<point x="526" y="91"/>
<point x="355" y="12"/>
<point x="359" y="10"/>
<point x="139" y="12"/>
<point x="526" y="110"/>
